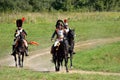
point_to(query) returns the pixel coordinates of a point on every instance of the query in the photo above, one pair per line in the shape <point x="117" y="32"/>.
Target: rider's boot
<point x="13" y="50"/>
<point x="26" y="52"/>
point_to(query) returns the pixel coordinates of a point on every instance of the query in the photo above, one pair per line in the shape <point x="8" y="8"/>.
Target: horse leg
<point x="19" y="60"/>
<point x="55" y="62"/>
<point x="66" y="62"/>
<point x="61" y="61"/>
<point x="15" y="58"/>
<point x="58" y="65"/>
<point x="22" y="59"/>
<point x="71" y="56"/>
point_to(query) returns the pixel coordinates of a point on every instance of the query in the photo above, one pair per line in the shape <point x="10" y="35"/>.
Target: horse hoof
<point x="74" y="53"/>
<point x="67" y="71"/>
<point x="26" y="55"/>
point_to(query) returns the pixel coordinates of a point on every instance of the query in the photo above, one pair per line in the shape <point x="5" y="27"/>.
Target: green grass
<point x="7" y="73"/>
<point x="102" y="58"/>
<point x="36" y="32"/>
<point x="96" y="29"/>
<point x="40" y="27"/>
<point x="88" y="26"/>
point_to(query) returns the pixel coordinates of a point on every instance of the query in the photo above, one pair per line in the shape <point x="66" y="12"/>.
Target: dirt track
<point x="40" y="59"/>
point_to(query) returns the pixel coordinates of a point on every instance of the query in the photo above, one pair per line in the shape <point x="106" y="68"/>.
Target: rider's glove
<point x="17" y="35"/>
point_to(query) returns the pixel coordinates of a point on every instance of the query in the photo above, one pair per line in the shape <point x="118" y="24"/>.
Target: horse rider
<point x="19" y="30"/>
<point x="60" y="36"/>
<point x="60" y="32"/>
<point x="67" y="29"/>
<point x="66" y="26"/>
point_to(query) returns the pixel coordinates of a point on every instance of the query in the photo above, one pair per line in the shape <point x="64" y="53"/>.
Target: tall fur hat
<point x="19" y="22"/>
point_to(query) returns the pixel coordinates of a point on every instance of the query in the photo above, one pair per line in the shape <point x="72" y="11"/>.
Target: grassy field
<point x="88" y="26"/>
<point x="102" y="58"/>
<point x="20" y="74"/>
<point x="40" y="27"/>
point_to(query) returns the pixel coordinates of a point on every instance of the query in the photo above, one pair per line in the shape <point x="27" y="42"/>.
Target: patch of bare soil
<point x="40" y="60"/>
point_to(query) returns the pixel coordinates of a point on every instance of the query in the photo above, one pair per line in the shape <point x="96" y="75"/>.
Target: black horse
<point x="19" y="50"/>
<point x="60" y="54"/>
<point x="70" y="37"/>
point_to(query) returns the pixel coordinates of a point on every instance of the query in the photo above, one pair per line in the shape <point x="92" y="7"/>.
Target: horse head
<point x="71" y="34"/>
<point x="59" y="55"/>
<point x="20" y="42"/>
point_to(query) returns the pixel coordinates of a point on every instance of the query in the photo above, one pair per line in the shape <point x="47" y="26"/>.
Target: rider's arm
<point x="24" y="32"/>
<point x="15" y="33"/>
<point x="53" y="35"/>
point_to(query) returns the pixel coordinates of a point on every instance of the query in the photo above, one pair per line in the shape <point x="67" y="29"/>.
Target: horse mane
<point x="71" y="34"/>
<point x="20" y="43"/>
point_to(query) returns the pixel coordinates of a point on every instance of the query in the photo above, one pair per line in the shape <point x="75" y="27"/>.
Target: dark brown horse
<point x="19" y="50"/>
<point x="70" y="37"/>
<point x="60" y="54"/>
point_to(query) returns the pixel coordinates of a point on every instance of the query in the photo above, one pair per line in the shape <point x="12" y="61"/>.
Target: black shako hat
<point x="19" y="22"/>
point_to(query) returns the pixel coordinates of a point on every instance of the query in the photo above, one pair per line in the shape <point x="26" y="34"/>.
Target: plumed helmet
<point x="59" y="22"/>
<point x="23" y="19"/>
<point x="65" y="20"/>
<point x="19" y="22"/>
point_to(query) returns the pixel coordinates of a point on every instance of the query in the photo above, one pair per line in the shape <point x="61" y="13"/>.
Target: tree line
<point x="59" y="5"/>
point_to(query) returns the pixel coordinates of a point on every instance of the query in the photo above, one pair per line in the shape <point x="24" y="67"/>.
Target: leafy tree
<point x="64" y="5"/>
